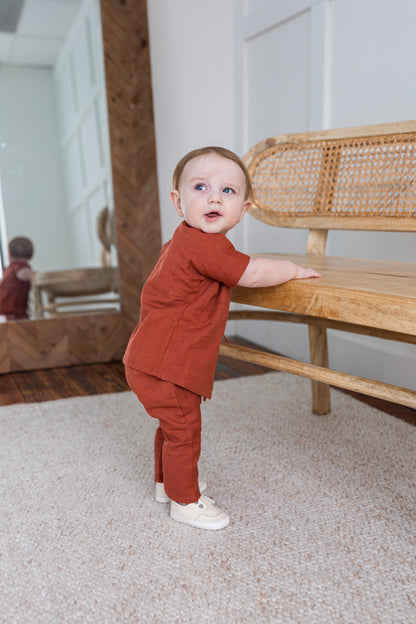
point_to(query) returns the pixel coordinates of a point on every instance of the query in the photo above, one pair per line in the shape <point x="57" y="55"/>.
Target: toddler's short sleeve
<point x="215" y="257"/>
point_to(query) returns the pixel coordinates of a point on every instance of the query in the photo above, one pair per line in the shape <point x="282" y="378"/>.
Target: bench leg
<point x="318" y="347"/>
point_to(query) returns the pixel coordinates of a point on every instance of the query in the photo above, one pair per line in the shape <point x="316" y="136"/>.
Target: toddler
<point x="172" y="353"/>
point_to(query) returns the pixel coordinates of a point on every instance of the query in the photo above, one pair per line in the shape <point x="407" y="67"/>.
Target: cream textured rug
<point x="322" y="513"/>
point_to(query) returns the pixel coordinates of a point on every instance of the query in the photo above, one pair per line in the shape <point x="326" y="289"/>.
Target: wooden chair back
<point x="352" y="179"/>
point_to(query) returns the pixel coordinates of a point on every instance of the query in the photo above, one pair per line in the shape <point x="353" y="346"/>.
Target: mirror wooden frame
<point x="70" y="340"/>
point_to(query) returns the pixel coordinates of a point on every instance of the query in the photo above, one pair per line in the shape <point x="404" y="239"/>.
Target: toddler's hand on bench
<point x="263" y="272"/>
<point x="305" y="273"/>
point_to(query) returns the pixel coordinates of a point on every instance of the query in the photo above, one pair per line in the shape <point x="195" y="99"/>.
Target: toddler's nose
<point x="215" y="198"/>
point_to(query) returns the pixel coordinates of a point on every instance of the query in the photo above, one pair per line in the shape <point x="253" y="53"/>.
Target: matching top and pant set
<point x="172" y="353"/>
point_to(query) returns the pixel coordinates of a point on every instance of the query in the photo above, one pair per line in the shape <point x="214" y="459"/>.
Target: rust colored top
<point x="184" y="309"/>
<point x="14" y="292"/>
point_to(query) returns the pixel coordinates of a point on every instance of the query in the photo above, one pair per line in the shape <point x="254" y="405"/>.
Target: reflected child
<point x="16" y="280"/>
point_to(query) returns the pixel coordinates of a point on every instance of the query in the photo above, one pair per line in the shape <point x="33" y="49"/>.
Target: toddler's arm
<point x="24" y="274"/>
<point x="268" y="272"/>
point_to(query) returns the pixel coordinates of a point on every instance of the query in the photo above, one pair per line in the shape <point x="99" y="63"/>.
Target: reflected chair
<point x="82" y="290"/>
<point x="75" y="291"/>
<point x="106" y="232"/>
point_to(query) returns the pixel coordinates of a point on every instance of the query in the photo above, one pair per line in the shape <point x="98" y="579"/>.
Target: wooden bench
<point x="352" y="179"/>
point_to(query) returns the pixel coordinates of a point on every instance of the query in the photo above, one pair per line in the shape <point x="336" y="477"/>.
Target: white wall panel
<point x="65" y="95"/>
<point x="74" y="183"/>
<point x="91" y="148"/>
<point x="252" y="5"/>
<point x="79" y="229"/>
<point x="277" y="74"/>
<point x="264" y="14"/>
<point x="372" y="61"/>
<point x="82" y="63"/>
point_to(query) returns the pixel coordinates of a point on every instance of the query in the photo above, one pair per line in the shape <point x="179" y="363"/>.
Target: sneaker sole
<point x="210" y="526"/>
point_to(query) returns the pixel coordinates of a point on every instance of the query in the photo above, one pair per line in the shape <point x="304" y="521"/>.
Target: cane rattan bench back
<point x="329" y="180"/>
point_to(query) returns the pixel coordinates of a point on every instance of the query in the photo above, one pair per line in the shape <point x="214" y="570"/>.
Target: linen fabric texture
<point x="177" y="443"/>
<point x="184" y="309"/>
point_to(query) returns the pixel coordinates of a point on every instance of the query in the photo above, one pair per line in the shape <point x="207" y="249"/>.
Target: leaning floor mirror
<point x="124" y="208"/>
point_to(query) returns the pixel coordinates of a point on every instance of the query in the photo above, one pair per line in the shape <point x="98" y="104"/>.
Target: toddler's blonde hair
<point x="221" y="151"/>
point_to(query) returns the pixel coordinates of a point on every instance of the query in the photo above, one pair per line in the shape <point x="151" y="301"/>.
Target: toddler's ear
<point x="175" y="198"/>
<point x="246" y="208"/>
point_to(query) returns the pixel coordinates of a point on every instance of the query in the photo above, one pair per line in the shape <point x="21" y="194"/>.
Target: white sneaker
<point x="203" y="514"/>
<point x="162" y="497"/>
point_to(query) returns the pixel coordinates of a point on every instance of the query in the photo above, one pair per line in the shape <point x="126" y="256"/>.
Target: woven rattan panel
<point x="361" y="177"/>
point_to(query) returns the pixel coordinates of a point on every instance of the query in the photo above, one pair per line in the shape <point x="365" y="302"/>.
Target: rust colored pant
<point x="177" y="444"/>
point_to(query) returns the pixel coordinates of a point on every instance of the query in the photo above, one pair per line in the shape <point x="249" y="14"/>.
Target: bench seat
<point x="370" y="293"/>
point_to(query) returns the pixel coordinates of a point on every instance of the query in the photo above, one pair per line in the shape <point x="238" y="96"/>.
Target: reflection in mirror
<point x="55" y="169"/>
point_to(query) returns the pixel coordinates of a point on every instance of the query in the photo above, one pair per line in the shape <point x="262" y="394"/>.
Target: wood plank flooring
<point x="90" y="379"/>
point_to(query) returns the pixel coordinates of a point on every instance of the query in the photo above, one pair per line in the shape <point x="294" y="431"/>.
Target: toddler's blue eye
<point x="200" y="187"/>
<point x="228" y="190"/>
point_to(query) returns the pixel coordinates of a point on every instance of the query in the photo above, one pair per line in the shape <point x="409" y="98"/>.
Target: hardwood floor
<point x="62" y="383"/>
<point x="89" y="379"/>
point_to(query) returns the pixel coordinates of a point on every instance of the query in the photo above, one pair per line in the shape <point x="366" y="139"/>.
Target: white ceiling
<point x="40" y="31"/>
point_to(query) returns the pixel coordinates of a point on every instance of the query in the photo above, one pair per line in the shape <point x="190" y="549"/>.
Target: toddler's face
<point x="211" y="194"/>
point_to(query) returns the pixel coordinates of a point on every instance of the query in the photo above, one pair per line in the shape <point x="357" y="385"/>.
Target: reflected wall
<point x="55" y="163"/>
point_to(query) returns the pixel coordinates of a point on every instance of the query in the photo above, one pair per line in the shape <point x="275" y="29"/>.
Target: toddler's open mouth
<point x="213" y="214"/>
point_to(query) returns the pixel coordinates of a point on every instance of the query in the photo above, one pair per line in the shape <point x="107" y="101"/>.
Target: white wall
<point x="30" y="164"/>
<point x="191" y="46"/>
<point x="236" y="72"/>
